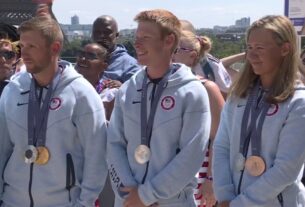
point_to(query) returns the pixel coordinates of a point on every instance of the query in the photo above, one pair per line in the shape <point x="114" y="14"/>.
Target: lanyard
<point x="146" y="126"/>
<point x="101" y="85"/>
<point x="37" y="114"/>
<point x="257" y="107"/>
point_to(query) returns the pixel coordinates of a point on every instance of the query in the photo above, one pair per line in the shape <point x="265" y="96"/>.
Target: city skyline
<point x="202" y="13"/>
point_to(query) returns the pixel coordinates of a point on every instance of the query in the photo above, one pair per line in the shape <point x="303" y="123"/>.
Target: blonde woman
<point x="190" y="51"/>
<point x="259" y="147"/>
<point x="209" y="66"/>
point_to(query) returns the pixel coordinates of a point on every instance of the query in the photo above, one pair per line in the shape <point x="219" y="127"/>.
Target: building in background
<point x="75" y="30"/>
<point x="243" y="22"/>
<point x="234" y="32"/>
<point x="75" y="20"/>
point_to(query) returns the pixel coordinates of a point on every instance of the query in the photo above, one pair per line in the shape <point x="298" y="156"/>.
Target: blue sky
<point x="202" y="13"/>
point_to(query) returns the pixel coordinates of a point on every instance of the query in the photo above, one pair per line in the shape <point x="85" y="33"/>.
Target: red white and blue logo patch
<point x="55" y="103"/>
<point x="273" y="109"/>
<point x="168" y="102"/>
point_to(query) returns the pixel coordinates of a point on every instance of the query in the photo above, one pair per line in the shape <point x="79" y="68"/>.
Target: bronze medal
<point x="255" y="165"/>
<point x="30" y="154"/>
<point x="43" y="155"/>
<point x="142" y="154"/>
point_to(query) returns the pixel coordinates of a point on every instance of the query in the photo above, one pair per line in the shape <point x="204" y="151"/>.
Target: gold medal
<point x="255" y="165"/>
<point x="30" y="154"/>
<point x="142" y="154"/>
<point x="43" y="155"/>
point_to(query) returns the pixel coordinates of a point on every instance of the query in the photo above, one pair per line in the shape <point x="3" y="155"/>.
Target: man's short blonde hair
<point x="47" y="26"/>
<point x="167" y="21"/>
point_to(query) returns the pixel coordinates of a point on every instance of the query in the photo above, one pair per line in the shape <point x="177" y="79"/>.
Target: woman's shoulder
<point x="208" y="84"/>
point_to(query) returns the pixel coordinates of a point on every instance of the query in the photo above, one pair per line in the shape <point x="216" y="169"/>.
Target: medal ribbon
<point x="252" y="131"/>
<point x="38" y="116"/>
<point x="146" y="126"/>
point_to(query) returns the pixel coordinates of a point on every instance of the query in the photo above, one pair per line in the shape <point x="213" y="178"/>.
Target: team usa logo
<point x="55" y="103"/>
<point x="273" y="109"/>
<point x="168" y="102"/>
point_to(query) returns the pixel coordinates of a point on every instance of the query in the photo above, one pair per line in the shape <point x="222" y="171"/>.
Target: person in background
<point x="190" y="50"/>
<point x="210" y="67"/>
<point x="121" y="65"/>
<point x="258" y="154"/>
<point x="8" y="57"/>
<point x="156" y="166"/>
<point x="53" y="128"/>
<point x="9" y="32"/>
<point x="187" y="25"/>
<point x="91" y="62"/>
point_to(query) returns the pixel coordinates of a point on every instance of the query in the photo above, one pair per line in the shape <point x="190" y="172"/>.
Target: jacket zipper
<point x="70" y="177"/>
<point x="280" y="198"/>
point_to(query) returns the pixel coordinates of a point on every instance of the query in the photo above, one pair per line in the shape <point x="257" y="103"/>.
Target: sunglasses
<point x="180" y="49"/>
<point x="8" y="55"/>
<point x="87" y="55"/>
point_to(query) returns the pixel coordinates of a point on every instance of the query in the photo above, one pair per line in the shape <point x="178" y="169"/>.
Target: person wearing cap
<point x="8" y="31"/>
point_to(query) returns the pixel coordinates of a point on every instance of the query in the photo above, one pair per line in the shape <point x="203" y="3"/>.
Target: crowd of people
<point x="175" y="127"/>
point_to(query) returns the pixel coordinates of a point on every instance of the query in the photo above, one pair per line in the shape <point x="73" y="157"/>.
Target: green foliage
<point x="220" y="48"/>
<point x="224" y="48"/>
<point x="70" y="49"/>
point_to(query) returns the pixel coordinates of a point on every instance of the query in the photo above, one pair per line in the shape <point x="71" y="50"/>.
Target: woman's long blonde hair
<point x="283" y="85"/>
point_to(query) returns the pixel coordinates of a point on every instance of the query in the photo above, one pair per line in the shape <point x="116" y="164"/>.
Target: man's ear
<point x="170" y="41"/>
<point x="55" y="47"/>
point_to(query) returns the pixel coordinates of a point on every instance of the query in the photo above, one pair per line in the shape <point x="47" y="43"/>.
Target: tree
<point x="224" y="48"/>
<point x="71" y="49"/>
